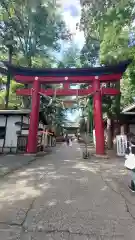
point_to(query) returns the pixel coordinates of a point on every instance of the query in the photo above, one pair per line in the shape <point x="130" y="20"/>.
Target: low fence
<point x="22" y="143"/>
<point x="39" y="144"/>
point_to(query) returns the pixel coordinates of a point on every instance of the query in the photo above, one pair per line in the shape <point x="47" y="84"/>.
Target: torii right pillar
<point x="98" y="121"/>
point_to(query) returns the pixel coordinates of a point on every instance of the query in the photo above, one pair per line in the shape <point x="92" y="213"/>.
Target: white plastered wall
<point x="132" y="128"/>
<point x="11" y="135"/>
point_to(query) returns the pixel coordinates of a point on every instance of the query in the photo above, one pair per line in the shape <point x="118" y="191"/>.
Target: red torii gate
<point x="93" y="76"/>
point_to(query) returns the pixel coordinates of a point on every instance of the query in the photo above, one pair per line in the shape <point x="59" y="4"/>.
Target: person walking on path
<point x="67" y="139"/>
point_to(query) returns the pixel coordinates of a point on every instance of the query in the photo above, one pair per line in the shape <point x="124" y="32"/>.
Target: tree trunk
<point x="26" y="99"/>
<point x="88" y="125"/>
<point x="118" y="97"/>
<point x="58" y="131"/>
<point x="29" y="61"/>
<point x="10" y="53"/>
<point x="109" y="133"/>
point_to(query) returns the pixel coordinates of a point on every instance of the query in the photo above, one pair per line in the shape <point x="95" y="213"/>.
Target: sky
<point x="71" y="13"/>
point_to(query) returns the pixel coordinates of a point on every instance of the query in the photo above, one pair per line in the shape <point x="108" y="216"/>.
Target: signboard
<point x="121" y="141"/>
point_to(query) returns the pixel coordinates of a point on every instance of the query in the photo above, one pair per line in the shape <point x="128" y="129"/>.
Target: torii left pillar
<point x="98" y="121"/>
<point x="34" y="118"/>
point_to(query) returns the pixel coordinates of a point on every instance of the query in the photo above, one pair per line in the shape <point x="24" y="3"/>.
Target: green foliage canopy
<point x="107" y="26"/>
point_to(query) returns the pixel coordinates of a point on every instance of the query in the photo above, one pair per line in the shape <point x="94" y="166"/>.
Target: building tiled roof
<point x="15" y="112"/>
<point x="129" y="108"/>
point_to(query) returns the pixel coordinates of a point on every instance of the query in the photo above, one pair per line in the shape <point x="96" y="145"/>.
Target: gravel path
<point x="61" y="196"/>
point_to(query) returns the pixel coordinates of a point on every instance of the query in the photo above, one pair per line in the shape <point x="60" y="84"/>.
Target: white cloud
<point x="79" y="39"/>
<point x="71" y="21"/>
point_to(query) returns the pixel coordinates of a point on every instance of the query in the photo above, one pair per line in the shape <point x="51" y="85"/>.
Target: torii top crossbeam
<point x="74" y="75"/>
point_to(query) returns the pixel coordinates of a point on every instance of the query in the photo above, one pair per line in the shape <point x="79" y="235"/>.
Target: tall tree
<point x="100" y="18"/>
<point x="108" y="24"/>
<point x="70" y="57"/>
<point x="36" y="26"/>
